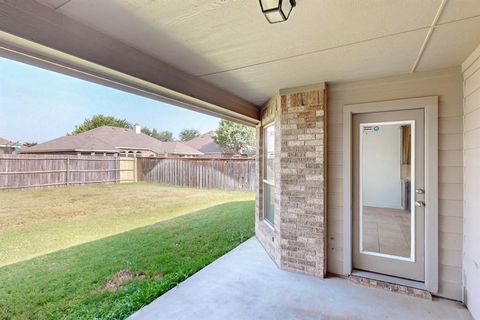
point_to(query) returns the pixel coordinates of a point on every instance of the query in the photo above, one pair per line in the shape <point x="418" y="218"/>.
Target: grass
<point x="67" y="284"/>
<point x="37" y="222"/>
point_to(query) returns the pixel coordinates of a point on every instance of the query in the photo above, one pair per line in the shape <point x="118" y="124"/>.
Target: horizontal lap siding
<point x="447" y="84"/>
<point x="471" y="161"/>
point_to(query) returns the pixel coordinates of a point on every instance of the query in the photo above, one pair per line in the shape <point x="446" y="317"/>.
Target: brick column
<point x="298" y="240"/>
<point x="302" y="197"/>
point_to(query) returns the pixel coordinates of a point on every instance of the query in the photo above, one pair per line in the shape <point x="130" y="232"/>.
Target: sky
<point x="38" y="105"/>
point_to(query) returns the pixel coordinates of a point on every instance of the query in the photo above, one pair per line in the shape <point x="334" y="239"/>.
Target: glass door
<point x="389" y="218"/>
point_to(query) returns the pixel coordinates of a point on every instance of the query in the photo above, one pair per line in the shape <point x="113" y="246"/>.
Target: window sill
<point x="269" y="224"/>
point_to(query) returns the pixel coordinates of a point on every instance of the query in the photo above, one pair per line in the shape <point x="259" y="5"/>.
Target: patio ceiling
<point x="230" y="44"/>
<point x="224" y="52"/>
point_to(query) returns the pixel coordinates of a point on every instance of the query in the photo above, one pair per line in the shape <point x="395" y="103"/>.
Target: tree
<point x="188" y="134"/>
<point x="147" y="131"/>
<point x="99" y="120"/>
<point x="234" y="137"/>
<point x="164" y="136"/>
<point x="160" y="135"/>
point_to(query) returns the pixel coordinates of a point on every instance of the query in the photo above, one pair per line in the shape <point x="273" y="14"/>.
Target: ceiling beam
<point x="36" y="34"/>
<point x="429" y="35"/>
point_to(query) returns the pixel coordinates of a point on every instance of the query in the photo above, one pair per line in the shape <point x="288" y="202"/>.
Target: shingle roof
<point x="175" y="147"/>
<point x="108" y="139"/>
<point x="4" y="141"/>
<point x="205" y="143"/>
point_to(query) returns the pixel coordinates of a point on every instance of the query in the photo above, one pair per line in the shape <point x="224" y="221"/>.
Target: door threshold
<point x="389" y="279"/>
<point x="389" y="283"/>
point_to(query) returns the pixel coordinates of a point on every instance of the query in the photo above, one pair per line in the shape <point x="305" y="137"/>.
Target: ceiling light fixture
<point x="277" y="10"/>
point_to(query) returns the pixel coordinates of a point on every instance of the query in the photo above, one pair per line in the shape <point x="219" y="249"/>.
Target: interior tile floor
<point x="387" y="230"/>
<point x="246" y="284"/>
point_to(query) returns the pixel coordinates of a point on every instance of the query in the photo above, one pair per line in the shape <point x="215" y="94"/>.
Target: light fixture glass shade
<point x="277" y="10"/>
<point x="274" y="16"/>
<point x="287" y="7"/>
<point x="269" y="4"/>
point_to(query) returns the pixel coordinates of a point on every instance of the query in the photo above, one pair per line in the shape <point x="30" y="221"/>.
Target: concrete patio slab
<point x="246" y="284"/>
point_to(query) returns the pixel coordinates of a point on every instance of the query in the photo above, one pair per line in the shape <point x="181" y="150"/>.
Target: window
<point x="269" y="173"/>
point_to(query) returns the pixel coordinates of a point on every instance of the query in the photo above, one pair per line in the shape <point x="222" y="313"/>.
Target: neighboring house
<point x="205" y="144"/>
<point x="180" y="149"/>
<point x="7" y="147"/>
<point x="108" y="140"/>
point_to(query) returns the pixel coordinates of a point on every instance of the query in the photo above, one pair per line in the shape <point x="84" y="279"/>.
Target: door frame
<point x="430" y="105"/>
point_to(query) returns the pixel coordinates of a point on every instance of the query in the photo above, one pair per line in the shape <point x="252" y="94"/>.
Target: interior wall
<point x="471" y="161"/>
<point x="381" y="185"/>
<point x="447" y="85"/>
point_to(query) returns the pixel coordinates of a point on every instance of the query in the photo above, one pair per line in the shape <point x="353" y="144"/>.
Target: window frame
<point x="271" y="182"/>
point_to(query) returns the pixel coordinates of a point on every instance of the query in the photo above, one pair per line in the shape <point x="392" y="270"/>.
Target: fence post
<point x="117" y="166"/>
<point x="135" y="177"/>
<point x="67" y="165"/>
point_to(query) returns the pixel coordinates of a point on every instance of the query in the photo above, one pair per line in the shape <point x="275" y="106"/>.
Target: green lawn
<point x="113" y="248"/>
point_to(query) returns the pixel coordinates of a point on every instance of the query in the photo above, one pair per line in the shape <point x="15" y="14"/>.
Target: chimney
<point x="137" y="128"/>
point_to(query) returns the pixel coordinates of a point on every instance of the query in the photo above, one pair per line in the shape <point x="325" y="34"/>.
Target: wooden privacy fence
<point x="128" y="170"/>
<point x="228" y="174"/>
<point x="30" y="171"/>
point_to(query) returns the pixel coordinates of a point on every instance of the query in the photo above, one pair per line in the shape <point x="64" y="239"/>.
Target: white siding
<point x="471" y="162"/>
<point x="447" y="84"/>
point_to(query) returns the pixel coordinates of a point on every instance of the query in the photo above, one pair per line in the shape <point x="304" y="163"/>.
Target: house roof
<point x="109" y="139"/>
<point x="175" y="147"/>
<point x="205" y="143"/>
<point x="4" y="141"/>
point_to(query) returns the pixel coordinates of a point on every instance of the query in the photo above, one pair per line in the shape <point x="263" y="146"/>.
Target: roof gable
<point x="205" y="143"/>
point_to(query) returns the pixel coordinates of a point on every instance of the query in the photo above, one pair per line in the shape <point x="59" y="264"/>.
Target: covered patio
<point x="319" y="88"/>
<point x="246" y="284"/>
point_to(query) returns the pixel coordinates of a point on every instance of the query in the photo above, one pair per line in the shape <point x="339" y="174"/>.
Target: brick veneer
<point x="392" y="287"/>
<point x="297" y="241"/>
<point x="268" y="236"/>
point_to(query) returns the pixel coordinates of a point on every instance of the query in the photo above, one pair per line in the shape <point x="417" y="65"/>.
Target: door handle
<point x="420" y="191"/>
<point x="420" y="203"/>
